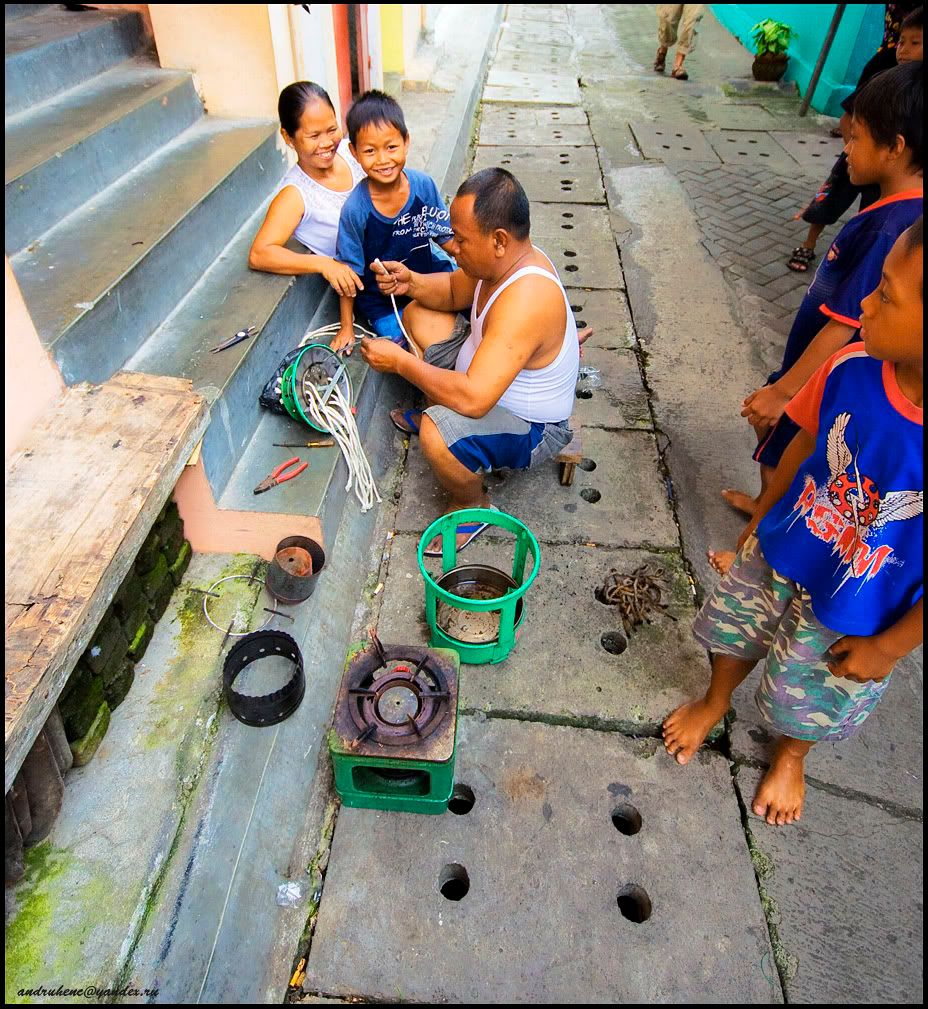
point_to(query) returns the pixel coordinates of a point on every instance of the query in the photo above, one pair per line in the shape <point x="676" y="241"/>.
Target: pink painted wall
<point x="31" y="381"/>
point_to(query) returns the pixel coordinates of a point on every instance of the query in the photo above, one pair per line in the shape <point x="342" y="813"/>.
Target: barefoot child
<point x="827" y="586"/>
<point x="885" y="148"/>
<point x="394" y="214"/>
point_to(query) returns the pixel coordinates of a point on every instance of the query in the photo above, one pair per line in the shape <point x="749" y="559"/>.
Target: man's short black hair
<point x="375" y="108"/>
<point x="891" y="104"/>
<point x="913" y="20"/>
<point x="499" y="202"/>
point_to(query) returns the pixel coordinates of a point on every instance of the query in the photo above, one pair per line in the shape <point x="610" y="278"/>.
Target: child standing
<point x="395" y="213"/>
<point x="885" y="148"/>
<point x="838" y="192"/>
<point x="827" y="586"/>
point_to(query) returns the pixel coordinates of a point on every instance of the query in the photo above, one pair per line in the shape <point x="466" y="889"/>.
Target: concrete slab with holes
<point x="622" y="503"/>
<point x="607" y="312"/>
<point x="579" y="241"/>
<point x="549" y="174"/>
<point x="528" y="88"/>
<point x="750" y="147"/>
<point x="620" y="400"/>
<point x="813" y="151"/>
<point x="597" y="675"/>
<point x="527" y="115"/>
<point x="588" y="869"/>
<point x="668" y="142"/>
<point x="539" y="135"/>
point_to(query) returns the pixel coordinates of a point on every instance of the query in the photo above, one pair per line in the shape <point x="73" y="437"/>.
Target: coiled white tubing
<point x="335" y="416"/>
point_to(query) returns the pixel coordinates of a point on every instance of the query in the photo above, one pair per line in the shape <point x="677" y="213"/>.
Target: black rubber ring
<point x="268" y="709"/>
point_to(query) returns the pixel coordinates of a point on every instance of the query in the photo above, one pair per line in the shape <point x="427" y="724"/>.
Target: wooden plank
<point x="573" y="452"/>
<point x="81" y="496"/>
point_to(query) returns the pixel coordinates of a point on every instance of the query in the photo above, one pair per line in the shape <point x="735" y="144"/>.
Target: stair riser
<point x="36" y="74"/>
<point x="133" y="309"/>
<point x="39" y="199"/>
<point x="12" y="12"/>
<point x="236" y="414"/>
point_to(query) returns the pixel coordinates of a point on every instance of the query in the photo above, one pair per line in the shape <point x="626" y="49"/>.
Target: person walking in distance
<point x="676" y="23"/>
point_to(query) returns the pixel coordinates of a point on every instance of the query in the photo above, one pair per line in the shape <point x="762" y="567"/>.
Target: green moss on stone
<point x="84" y="748"/>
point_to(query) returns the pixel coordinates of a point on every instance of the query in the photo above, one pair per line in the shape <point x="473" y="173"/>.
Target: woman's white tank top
<point x="541" y="395"/>
<point x="318" y="229"/>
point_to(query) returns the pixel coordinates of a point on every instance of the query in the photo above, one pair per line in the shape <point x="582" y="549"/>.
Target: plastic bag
<point x="290" y="894"/>
<point x="270" y="394"/>
<point x="589" y="378"/>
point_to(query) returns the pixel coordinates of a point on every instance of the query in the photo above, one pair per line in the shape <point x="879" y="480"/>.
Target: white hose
<point x="335" y="416"/>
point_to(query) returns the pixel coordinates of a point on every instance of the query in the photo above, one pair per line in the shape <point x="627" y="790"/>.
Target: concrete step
<point x="100" y="282"/>
<point x="76" y="144"/>
<point x="13" y="11"/>
<point x="53" y="50"/>
<point x="227" y="298"/>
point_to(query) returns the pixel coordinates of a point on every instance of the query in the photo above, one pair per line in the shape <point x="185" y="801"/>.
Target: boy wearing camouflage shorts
<point x="827" y="587"/>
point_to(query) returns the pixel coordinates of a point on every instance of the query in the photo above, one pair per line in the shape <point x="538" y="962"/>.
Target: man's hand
<point x="395" y="281"/>
<point x="860" y="659"/>
<point x="381" y="355"/>
<point x="764" y="407"/>
<point x="343" y="340"/>
<point x="343" y="280"/>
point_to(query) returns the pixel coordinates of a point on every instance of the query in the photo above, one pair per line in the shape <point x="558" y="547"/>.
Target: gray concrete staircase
<point x="129" y="217"/>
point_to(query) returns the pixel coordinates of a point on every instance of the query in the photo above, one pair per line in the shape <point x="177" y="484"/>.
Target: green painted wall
<point x="857" y="40"/>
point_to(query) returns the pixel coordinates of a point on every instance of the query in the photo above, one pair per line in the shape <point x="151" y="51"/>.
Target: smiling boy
<point x="396" y="213"/>
<point x="827" y="586"/>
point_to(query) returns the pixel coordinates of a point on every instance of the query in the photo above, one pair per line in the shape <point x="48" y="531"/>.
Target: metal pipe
<point x="822" y="57"/>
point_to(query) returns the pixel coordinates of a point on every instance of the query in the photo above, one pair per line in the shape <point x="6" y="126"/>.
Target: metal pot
<point x="295" y="569"/>
<point x="478" y="581"/>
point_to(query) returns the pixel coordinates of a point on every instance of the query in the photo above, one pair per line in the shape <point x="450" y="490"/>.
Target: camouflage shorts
<point x="755" y="613"/>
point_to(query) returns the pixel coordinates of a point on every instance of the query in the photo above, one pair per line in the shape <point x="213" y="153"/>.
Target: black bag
<point x="270" y="394"/>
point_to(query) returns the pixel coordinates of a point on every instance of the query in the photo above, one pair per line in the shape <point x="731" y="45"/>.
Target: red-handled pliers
<point x="275" y="478"/>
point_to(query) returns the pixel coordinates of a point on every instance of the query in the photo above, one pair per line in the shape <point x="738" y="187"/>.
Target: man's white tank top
<point x="541" y="395"/>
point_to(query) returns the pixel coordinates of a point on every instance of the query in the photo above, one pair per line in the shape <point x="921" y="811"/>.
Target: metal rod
<point x="822" y="57"/>
<point x="206" y="592"/>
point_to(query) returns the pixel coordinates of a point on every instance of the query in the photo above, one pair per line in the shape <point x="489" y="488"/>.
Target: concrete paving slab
<point x="547" y="14"/>
<point x="571" y="676"/>
<point x="623" y="502"/>
<point x="616" y="146"/>
<point x="738" y="116"/>
<point x="607" y="312"/>
<point x="501" y="118"/>
<point x="749" y="147"/>
<point x="621" y="401"/>
<point x="816" y="152"/>
<point x="541" y="856"/>
<point x="665" y="141"/>
<point x="531" y="88"/>
<point x="579" y="241"/>
<point x="846" y="868"/>
<point x="548" y="51"/>
<point x="884" y="759"/>
<point x="546" y="135"/>
<point x="549" y="174"/>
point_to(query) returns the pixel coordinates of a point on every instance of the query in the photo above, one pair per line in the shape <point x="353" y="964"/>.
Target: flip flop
<point x="407" y="416"/>
<point x="470" y="529"/>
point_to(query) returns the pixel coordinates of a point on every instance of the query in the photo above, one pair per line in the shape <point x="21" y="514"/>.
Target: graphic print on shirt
<point x="851" y="509"/>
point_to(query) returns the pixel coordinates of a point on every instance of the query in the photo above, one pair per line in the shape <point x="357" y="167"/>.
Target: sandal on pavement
<point x="660" y="60"/>
<point x="398" y="418"/>
<point x="679" y="74"/>
<point x="800" y="258"/>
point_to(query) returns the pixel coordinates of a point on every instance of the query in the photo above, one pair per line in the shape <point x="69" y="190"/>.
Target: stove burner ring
<point x="397" y="705"/>
<point x="401" y="706"/>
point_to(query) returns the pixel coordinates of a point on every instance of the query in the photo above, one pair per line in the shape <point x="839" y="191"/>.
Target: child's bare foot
<point x="721" y="560"/>
<point x="740" y="501"/>
<point x="685" y="729"/>
<point x="584" y="334"/>
<point x="782" y="789"/>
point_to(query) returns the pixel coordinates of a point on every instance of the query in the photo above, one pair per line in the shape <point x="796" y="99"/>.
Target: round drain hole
<point x="567" y="213"/>
<point x="462" y="800"/>
<point x="569" y="253"/>
<point x="752" y="141"/>
<point x="666" y="147"/>
<point x="678" y="134"/>
<point x="801" y="141"/>
<point x="687" y="148"/>
<point x="453" y="883"/>
<point x="566" y="189"/>
<point x="581" y="323"/>
<point x="576" y="308"/>
<point x="567" y="182"/>
<point x="572" y="268"/>
<point x="626" y="819"/>
<point x="764" y="154"/>
<point x="567" y="227"/>
<point x="634" y="903"/>
<point x="584" y="394"/>
<point x="614" y="642"/>
<point x="590" y="494"/>
<point x="587" y="465"/>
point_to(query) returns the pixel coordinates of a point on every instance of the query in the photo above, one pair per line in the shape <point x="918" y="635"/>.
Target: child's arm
<point x="799" y="449"/>
<point x="764" y="407"/>
<point x="873" y="658"/>
<point x="344" y="338"/>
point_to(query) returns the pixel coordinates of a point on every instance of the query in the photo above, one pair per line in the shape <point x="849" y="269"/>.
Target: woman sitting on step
<point x="311" y="195"/>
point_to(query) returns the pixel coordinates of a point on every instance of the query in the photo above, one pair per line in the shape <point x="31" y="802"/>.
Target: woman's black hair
<point x="892" y="104"/>
<point x="294" y="100"/>
<point x="375" y="108"/>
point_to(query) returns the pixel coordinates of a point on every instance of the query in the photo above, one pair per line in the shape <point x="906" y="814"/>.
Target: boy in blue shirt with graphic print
<point x="827" y="586"/>
<point x="395" y="214"/>
<point x="885" y="148"/>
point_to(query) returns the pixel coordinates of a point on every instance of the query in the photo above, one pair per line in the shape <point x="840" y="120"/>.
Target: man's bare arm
<point x="443" y="292"/>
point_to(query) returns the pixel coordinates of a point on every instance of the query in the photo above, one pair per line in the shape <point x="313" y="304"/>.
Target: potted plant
<point x="771" y="40"/>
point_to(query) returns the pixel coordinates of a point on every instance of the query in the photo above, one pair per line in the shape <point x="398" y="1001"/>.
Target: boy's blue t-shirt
<point x="849" y="530"/>
<point x="850" y="270"/>
<point x="364" y="234"/>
